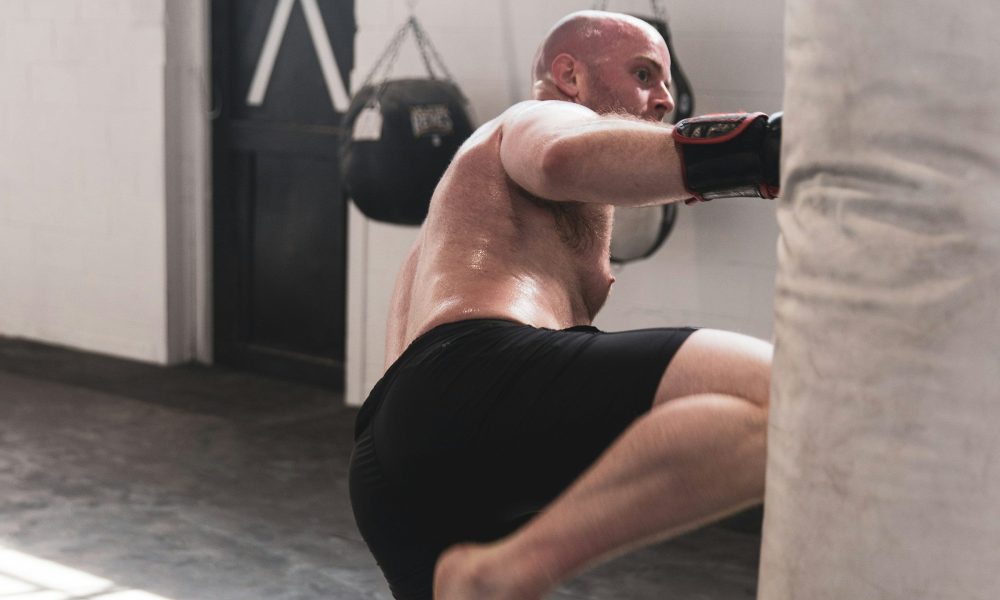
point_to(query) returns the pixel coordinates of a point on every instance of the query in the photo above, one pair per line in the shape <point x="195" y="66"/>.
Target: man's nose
<point x="663" y="102"/>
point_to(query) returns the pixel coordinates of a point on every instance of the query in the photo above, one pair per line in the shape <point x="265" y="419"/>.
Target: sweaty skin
<point x="519" y="227"/>
<point x="489" y="248"/>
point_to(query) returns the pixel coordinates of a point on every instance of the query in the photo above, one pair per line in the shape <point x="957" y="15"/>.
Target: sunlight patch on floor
<point x="25" y="577"/>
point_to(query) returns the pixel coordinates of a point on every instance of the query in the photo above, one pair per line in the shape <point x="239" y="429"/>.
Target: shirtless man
<point x="510" y="444"/>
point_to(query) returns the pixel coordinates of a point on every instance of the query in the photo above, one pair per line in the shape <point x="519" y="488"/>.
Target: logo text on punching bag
<point x="431" y="119"/>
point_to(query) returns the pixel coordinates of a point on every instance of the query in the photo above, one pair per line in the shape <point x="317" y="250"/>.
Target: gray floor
<point x="198" y="483"/>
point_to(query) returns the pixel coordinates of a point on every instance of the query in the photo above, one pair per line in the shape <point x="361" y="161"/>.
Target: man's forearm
<point x="615" y="161"/>
<point x="564" y="152"/>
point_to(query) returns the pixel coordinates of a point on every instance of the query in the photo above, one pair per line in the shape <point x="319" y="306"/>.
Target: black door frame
<point x="232" y="231"/>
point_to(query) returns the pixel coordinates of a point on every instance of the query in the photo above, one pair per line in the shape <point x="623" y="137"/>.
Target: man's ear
<point x="566" y="74"/>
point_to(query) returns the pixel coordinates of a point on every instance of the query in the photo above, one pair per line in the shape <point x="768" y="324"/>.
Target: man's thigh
<point x="719" y="362"/>
<point x="575" y="393"/>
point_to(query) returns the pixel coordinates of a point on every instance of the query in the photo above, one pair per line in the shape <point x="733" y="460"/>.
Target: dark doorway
<point x="280" y="73"/>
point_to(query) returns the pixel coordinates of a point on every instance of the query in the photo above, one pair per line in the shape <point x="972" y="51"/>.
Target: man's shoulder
<point x="532" y="118"/>
<point x="491" y="130"/>
<point x="529" y="114"/>
<point x="529" y="110"/>
<point x="520" y="107"/>
<point x="544" y="107"/>
<point x="507" y="115"/>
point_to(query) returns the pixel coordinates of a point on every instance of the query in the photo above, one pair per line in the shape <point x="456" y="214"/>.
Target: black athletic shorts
<point x="481" y="423"/>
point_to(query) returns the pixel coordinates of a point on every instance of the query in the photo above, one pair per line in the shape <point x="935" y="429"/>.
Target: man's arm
<point x="563" y="151"/>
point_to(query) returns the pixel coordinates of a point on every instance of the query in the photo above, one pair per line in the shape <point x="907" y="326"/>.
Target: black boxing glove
<point x="733" y="155"/>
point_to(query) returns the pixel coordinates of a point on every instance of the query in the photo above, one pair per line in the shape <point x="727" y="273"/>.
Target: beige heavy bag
<point x="884" y="446"/>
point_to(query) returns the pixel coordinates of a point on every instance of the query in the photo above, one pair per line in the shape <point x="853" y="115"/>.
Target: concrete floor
<point x="198" y="483"/>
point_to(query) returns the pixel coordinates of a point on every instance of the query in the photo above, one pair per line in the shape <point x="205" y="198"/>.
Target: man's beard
<point x="605" y="100"/>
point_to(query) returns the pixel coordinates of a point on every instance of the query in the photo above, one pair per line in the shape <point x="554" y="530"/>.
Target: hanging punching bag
<point x="884" y="444"/>
<point x="401" y="134"/>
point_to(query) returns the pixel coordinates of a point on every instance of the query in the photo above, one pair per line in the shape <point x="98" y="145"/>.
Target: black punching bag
<point x="402" y="134"/>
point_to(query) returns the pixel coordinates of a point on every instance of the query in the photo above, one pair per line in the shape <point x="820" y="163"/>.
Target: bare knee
<point x="722" y="431"/>
<point x="719" y="362"/>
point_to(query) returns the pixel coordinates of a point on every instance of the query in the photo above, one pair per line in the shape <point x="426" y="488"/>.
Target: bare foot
<point x="472" y="572"/>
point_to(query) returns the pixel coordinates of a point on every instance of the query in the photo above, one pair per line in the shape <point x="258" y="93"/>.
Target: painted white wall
<point x="83" y="194"/>
<point x="716" y="270"/>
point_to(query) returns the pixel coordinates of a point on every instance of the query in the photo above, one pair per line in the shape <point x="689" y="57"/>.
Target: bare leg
<point x="690" y="460"/>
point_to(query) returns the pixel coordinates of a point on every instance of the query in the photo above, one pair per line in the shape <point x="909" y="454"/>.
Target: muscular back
<point x="490" y="248"/>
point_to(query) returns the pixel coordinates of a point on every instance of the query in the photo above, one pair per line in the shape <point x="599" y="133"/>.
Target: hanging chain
<point x="385" y="63"/>
<point x="427" y="51"/>
<point x="419" y="36"/>
<point x="389" y="56"/>
<point x="659" y="8"/>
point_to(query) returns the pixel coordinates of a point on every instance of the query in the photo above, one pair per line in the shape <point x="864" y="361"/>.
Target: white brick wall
<point x="82" y="201"/>
<point x="716" y="270"/>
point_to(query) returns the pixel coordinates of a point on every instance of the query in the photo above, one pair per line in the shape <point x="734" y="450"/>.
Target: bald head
<point x="585" y="35"/>
<point x="608" y="62"/>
